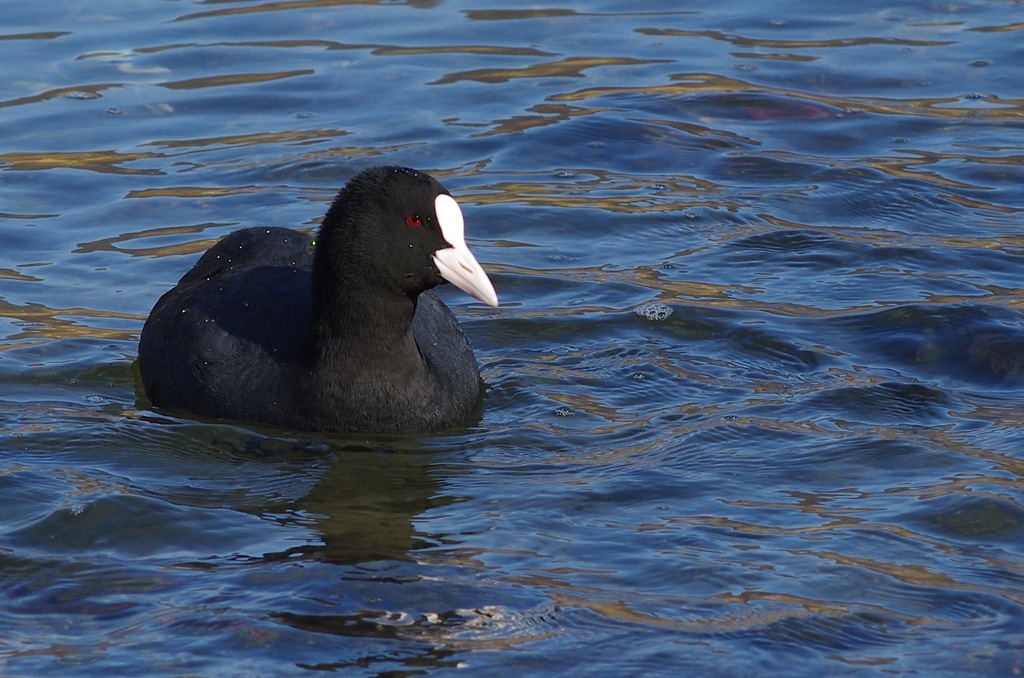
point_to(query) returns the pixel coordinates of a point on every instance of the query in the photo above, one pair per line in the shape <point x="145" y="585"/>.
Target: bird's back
<point x="219" y="342"/>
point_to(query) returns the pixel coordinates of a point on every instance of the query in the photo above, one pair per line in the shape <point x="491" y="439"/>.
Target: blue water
<point x="755" y="387"/>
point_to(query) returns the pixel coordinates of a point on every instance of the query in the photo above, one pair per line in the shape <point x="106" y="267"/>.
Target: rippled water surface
<point x="754" y="390"/>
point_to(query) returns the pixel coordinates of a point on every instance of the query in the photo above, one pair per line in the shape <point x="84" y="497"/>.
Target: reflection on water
<point x="753" y="392"/>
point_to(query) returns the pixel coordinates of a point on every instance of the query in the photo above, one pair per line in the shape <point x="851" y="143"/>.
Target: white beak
<point x="456" y="263"/>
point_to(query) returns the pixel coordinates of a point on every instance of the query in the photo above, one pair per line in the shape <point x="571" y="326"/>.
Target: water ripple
<point x="752" y="397"/>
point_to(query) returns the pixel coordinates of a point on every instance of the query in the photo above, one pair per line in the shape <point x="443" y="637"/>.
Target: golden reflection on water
<point x="789" y="44"/>
<point x="702" y="83"/>
<point x="907" y="168"/>
<point x="94" y="89"/>
<point x="193" y="191"/>
<point x="915" y="575"/>
<point x="631" y="195"/>
<point x="42" y="35"/>
<point x="105" y="162"/>
<point x="545" y="13"/>
<point x="237" y="79"/>
<point x="42" y="323"/>
<point x="286" y="137"/>
<point x="569" y="67"/>
<point x="546" y="114"/>
<point x="999" y="29"/>
<point x="742" y="617"/>
<point x="284" y="6"/>
<point x="378" y="49"/>
<point x="192" y="246"/>
<point x="10" y="274"/>
<point x="517" y="14"/>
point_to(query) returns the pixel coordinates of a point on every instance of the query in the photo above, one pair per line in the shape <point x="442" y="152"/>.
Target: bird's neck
<point x="355" y="322"/>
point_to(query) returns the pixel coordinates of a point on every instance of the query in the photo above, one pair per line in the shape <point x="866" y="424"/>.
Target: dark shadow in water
<point x="363" y="507"/>
<point x="982" y="345"/>
<point x="418" y="664"/>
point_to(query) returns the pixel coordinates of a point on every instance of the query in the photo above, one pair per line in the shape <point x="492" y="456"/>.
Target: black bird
<point x="337" y="333"/>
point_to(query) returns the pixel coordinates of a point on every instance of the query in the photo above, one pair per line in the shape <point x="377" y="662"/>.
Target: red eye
<point x="413" y="220"/>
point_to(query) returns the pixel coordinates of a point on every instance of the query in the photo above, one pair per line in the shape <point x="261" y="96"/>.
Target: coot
<point x="336" y="333"/>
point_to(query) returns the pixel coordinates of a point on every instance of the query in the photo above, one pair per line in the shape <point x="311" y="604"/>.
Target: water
<point x="754" y="389"/>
